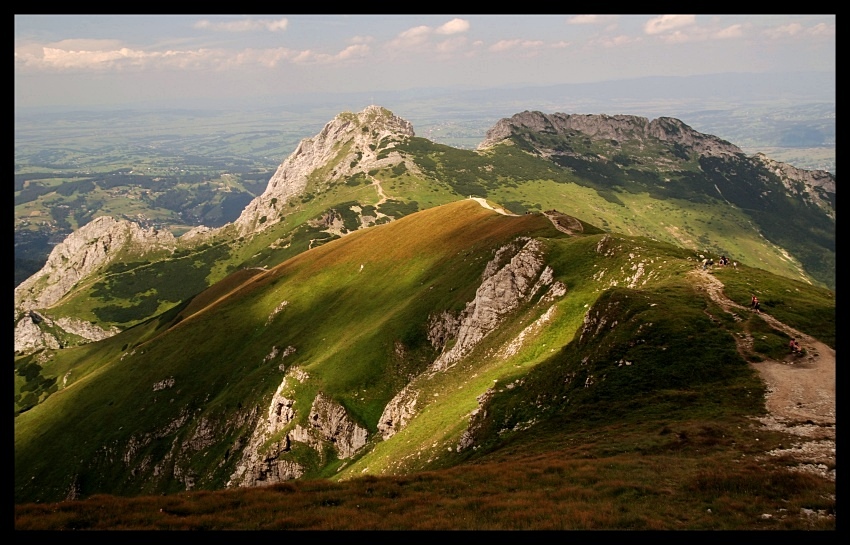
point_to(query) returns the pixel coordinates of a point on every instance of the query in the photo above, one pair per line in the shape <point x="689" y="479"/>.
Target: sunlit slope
<point x="589" y="266"/>
<point x="164" y="415"/>
<point x="633" y="342"/>
<point x="731" y="207"/>
<point x="641" y="188"/>
<point x="170" y="404"/>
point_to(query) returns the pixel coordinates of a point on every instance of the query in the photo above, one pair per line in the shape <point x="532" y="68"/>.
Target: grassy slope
<point x="643" y="206"/>
<point x="655" y="444"/>
<point x="343" y="322"/>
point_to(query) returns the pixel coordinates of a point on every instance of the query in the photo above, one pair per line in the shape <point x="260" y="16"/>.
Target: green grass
<point x="651" y="434"/>
<point x="655" y="382"/>
<point x="324" y="287"/>
<point x="679" y="475"/>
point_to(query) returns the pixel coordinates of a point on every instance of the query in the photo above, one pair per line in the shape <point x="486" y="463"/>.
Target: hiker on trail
<point x="795" y="346"/>
<point x="705" y="263"/>
<point x="754" y="304"/>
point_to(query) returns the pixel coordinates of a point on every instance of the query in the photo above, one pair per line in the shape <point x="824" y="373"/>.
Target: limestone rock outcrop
<point x="333" y="424"/>
<point x="86" y="330"/>
<point x="398" y="412"/>
<point x="84" y="251"/>
<point x="264" y="459"/>
<point x="261" y="463"/>
<point x="29" y="337"/>
<point x="81" y="254"/>
<point x="349" y="144"/>
<point x="816" y="186"/>
<point x="610" y="127"/>
<point x="504" y="287"/>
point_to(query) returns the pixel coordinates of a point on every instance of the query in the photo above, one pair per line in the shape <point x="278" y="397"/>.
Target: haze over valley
<point x="425" y="272"/>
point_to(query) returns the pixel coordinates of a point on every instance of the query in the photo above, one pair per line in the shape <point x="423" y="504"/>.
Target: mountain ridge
<point x="291" y="364"/>
<point x="353" y="147"/>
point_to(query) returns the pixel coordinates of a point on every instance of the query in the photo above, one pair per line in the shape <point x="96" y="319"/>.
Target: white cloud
<point x="314" y="57"/>
<point x="124" y="58"/>
<point x="452" y="44"/>
<point x="352" y="52"/>
<point x="697" y="34"/>
<point x="99" y="58"/>
<point x="61" y="58"/>
<point x="821" y="29"/>
<point x="733" y="31"/>
<point x="411" y="37"/>
<point x="244" y="25"/>
<point x="791" y="29"/>
<point x="418" y="36"/>
<point x="796" y="30"/>
<point x="508" y="45"/>
<point x="263" y="57"/>
<point x="665" y="23"/>
<point x="454" y="26"/>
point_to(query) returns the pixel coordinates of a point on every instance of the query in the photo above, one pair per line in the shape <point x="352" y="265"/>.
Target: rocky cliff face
<point x="29" y="337"/>
<point x="398" y="412"/>
<point x="330" y="421"/>
<point x="81" y="254"/>
<point x="610" y="127"/>
<point x="261" y="463"/>
<point x="512" y="277"/>
<point x="349" y="144"/>
<point x="84" y="251"/>
<point x="516" y="272"/>
<point x="264" y="460"/>
<point x="816" y="186"/>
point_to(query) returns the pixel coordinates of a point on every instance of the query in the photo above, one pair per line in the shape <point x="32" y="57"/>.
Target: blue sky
<point x="80" y="60"/>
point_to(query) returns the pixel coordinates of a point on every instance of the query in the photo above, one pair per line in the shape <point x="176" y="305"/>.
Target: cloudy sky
<point x="80" y="60"/>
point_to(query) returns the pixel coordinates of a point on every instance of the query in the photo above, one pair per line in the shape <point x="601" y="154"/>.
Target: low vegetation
<point x="622" y="403"/>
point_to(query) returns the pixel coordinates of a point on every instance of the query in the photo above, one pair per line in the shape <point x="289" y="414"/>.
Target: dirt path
<point x="800" y="389"/>
<point x="485" y="204"/>
<point x="380" y="189"/>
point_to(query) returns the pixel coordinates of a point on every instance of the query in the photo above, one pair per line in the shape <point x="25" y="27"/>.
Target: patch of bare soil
<point x="485" y="204"/>
<point x="564" y="223"/>
<point x="800" y="395"/>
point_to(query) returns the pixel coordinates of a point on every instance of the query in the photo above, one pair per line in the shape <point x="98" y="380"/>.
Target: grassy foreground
<point x="680" y="475"/>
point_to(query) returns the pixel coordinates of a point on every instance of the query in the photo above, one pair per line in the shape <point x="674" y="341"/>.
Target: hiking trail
<point x="800" y="396"/>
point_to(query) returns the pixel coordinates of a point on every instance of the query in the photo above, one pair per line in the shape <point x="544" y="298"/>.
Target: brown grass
<point x="571" y="488"/>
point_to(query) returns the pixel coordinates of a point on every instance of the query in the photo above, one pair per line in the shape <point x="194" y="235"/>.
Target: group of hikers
<point x="755" y="305"/>
<point x="793" y="345"/>
<point x="723" y="261"/>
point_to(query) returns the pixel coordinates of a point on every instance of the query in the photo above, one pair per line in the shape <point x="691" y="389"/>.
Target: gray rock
<point x="362" y="132"/>
<point x="611" y="127"/>
<point x="499" y="294"/>
<point x="398" y="412"/>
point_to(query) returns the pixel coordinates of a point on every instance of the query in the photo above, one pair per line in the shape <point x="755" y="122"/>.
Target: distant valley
<point x="389" y="305"/>
<point x="179" y="168"/>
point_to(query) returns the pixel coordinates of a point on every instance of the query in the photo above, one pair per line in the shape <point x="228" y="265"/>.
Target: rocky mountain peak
<point x="610" y="127"/>
<point x="84" y="251"/>
<point x="348" y="144"/>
